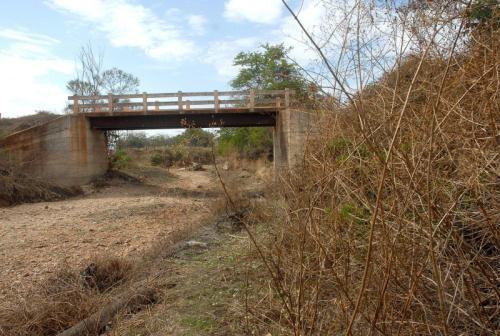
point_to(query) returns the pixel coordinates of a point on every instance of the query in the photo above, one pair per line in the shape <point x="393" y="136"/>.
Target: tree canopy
<point x="269" y="68"/>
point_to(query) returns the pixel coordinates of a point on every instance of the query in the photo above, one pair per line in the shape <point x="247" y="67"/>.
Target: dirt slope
<point x="11" y="125"/>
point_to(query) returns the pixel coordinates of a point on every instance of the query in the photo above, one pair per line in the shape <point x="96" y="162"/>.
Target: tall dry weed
<point x="392" y="224"/>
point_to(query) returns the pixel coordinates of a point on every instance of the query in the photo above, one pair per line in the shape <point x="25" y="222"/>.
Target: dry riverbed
<point x="121" y="219"/>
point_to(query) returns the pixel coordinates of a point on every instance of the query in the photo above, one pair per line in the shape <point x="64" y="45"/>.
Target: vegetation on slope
<point x="391" y="224"/>
<point x="12" y="125"/>
<point x="16" y="188"/>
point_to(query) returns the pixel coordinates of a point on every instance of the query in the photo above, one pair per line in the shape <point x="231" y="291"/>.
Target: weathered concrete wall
<point x="67" y="151"/>
<point x="64" y="151"/>
<point x="293" y="127"/>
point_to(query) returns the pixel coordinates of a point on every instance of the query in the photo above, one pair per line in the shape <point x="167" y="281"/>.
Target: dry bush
<point x="391" y="225"/>
<point x="63" y="299"/>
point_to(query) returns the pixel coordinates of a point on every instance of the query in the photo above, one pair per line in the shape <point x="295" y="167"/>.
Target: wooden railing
<point x="182" y="101"/>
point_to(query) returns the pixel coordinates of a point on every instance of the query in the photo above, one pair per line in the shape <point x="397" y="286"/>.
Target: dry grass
<point x="391" y="226"/>
<point x="12" y="125"/>
<point x="63" y="299"/>
<point x="16" y="188"/>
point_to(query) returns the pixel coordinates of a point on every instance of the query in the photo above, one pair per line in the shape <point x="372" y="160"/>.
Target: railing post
<point x="216" y="101"/>
<point x="110" y="103"/>
<point x="76" y="108"/>
<point x="278" y="102"/>
<point x="188" y="106"/>
<point x="179" y="100"/>
<point x="144" y="102"/>
<point x="157" y="107"/>
<point x="287" y="98"/>
<point x="252" y="100"/>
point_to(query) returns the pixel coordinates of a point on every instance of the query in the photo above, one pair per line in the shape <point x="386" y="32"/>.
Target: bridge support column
<point x="64" y="151"/>
<point x="290" y="136"/>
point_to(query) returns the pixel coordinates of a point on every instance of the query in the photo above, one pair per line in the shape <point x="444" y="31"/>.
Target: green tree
<point x="133" y="140"/>
<point x="195" y="137"/>
<point x="484" y="12"/>
<point x="266" y="69"/>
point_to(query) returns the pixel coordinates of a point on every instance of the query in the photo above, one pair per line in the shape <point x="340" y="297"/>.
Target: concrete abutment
<point x="65" y="151"/>
<point x="293" y="127"/>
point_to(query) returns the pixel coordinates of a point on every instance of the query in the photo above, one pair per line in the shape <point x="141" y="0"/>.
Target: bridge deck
<point x="180" y="110"/>
<point x="182" y="102"/>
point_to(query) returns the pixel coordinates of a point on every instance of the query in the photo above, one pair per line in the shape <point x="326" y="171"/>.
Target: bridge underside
<point x="188" y="119"/>
<point x="71" y="150"/>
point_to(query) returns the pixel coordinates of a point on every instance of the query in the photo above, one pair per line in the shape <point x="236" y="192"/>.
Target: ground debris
<point x="194" y="243"/>
<point x="99" y="321"/>
<point x="17" y="188"/>
<point x="196" y="167"/>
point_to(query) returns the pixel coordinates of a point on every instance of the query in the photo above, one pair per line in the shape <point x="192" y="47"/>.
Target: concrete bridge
<point x="71" y="150"/>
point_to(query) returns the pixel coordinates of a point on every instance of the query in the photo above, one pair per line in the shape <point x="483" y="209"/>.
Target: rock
<point x="225" y="166"/>
<point x="194" y="243"/>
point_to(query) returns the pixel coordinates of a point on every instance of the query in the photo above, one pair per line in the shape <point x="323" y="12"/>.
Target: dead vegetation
<point x="12" y="125"/>
<point x="391" y="225"/>
<point x="116" y="175"/>
<point x="64" y="299"/>
<point x="185" y="268"/>
<point x="16" y="188"/>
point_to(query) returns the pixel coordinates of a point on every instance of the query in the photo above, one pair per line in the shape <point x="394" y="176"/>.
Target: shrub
<point x="201" y="155"/>
<point x="120" y="159"/>
<point x="181" y="156"/>
<point x="247" y="142"/>
<point x="156" y="159"/>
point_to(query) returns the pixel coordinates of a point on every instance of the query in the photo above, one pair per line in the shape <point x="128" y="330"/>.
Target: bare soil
<point x="122" y="219"/>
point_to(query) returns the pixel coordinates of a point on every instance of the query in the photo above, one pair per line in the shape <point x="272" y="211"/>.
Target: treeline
<point x="192" y="137"/>
<point x="246" y="142"/>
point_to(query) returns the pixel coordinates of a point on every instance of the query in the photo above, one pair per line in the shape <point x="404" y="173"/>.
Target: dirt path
<point x="121" y="219"/>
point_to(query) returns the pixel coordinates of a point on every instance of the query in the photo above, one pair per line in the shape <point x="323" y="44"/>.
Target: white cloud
<point x="173" y="12"/>
<point x="130" y="25"/>
<point x="197" y="24"/>
<point x="20" y="36"/>
<point x="24" y="65"/>
<point x="286" y="30"/>
<point x="257" y="11"/>
<point x="221" y="54"/>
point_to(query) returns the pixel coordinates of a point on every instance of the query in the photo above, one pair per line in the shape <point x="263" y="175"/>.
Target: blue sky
<point x="170" y="45"/>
